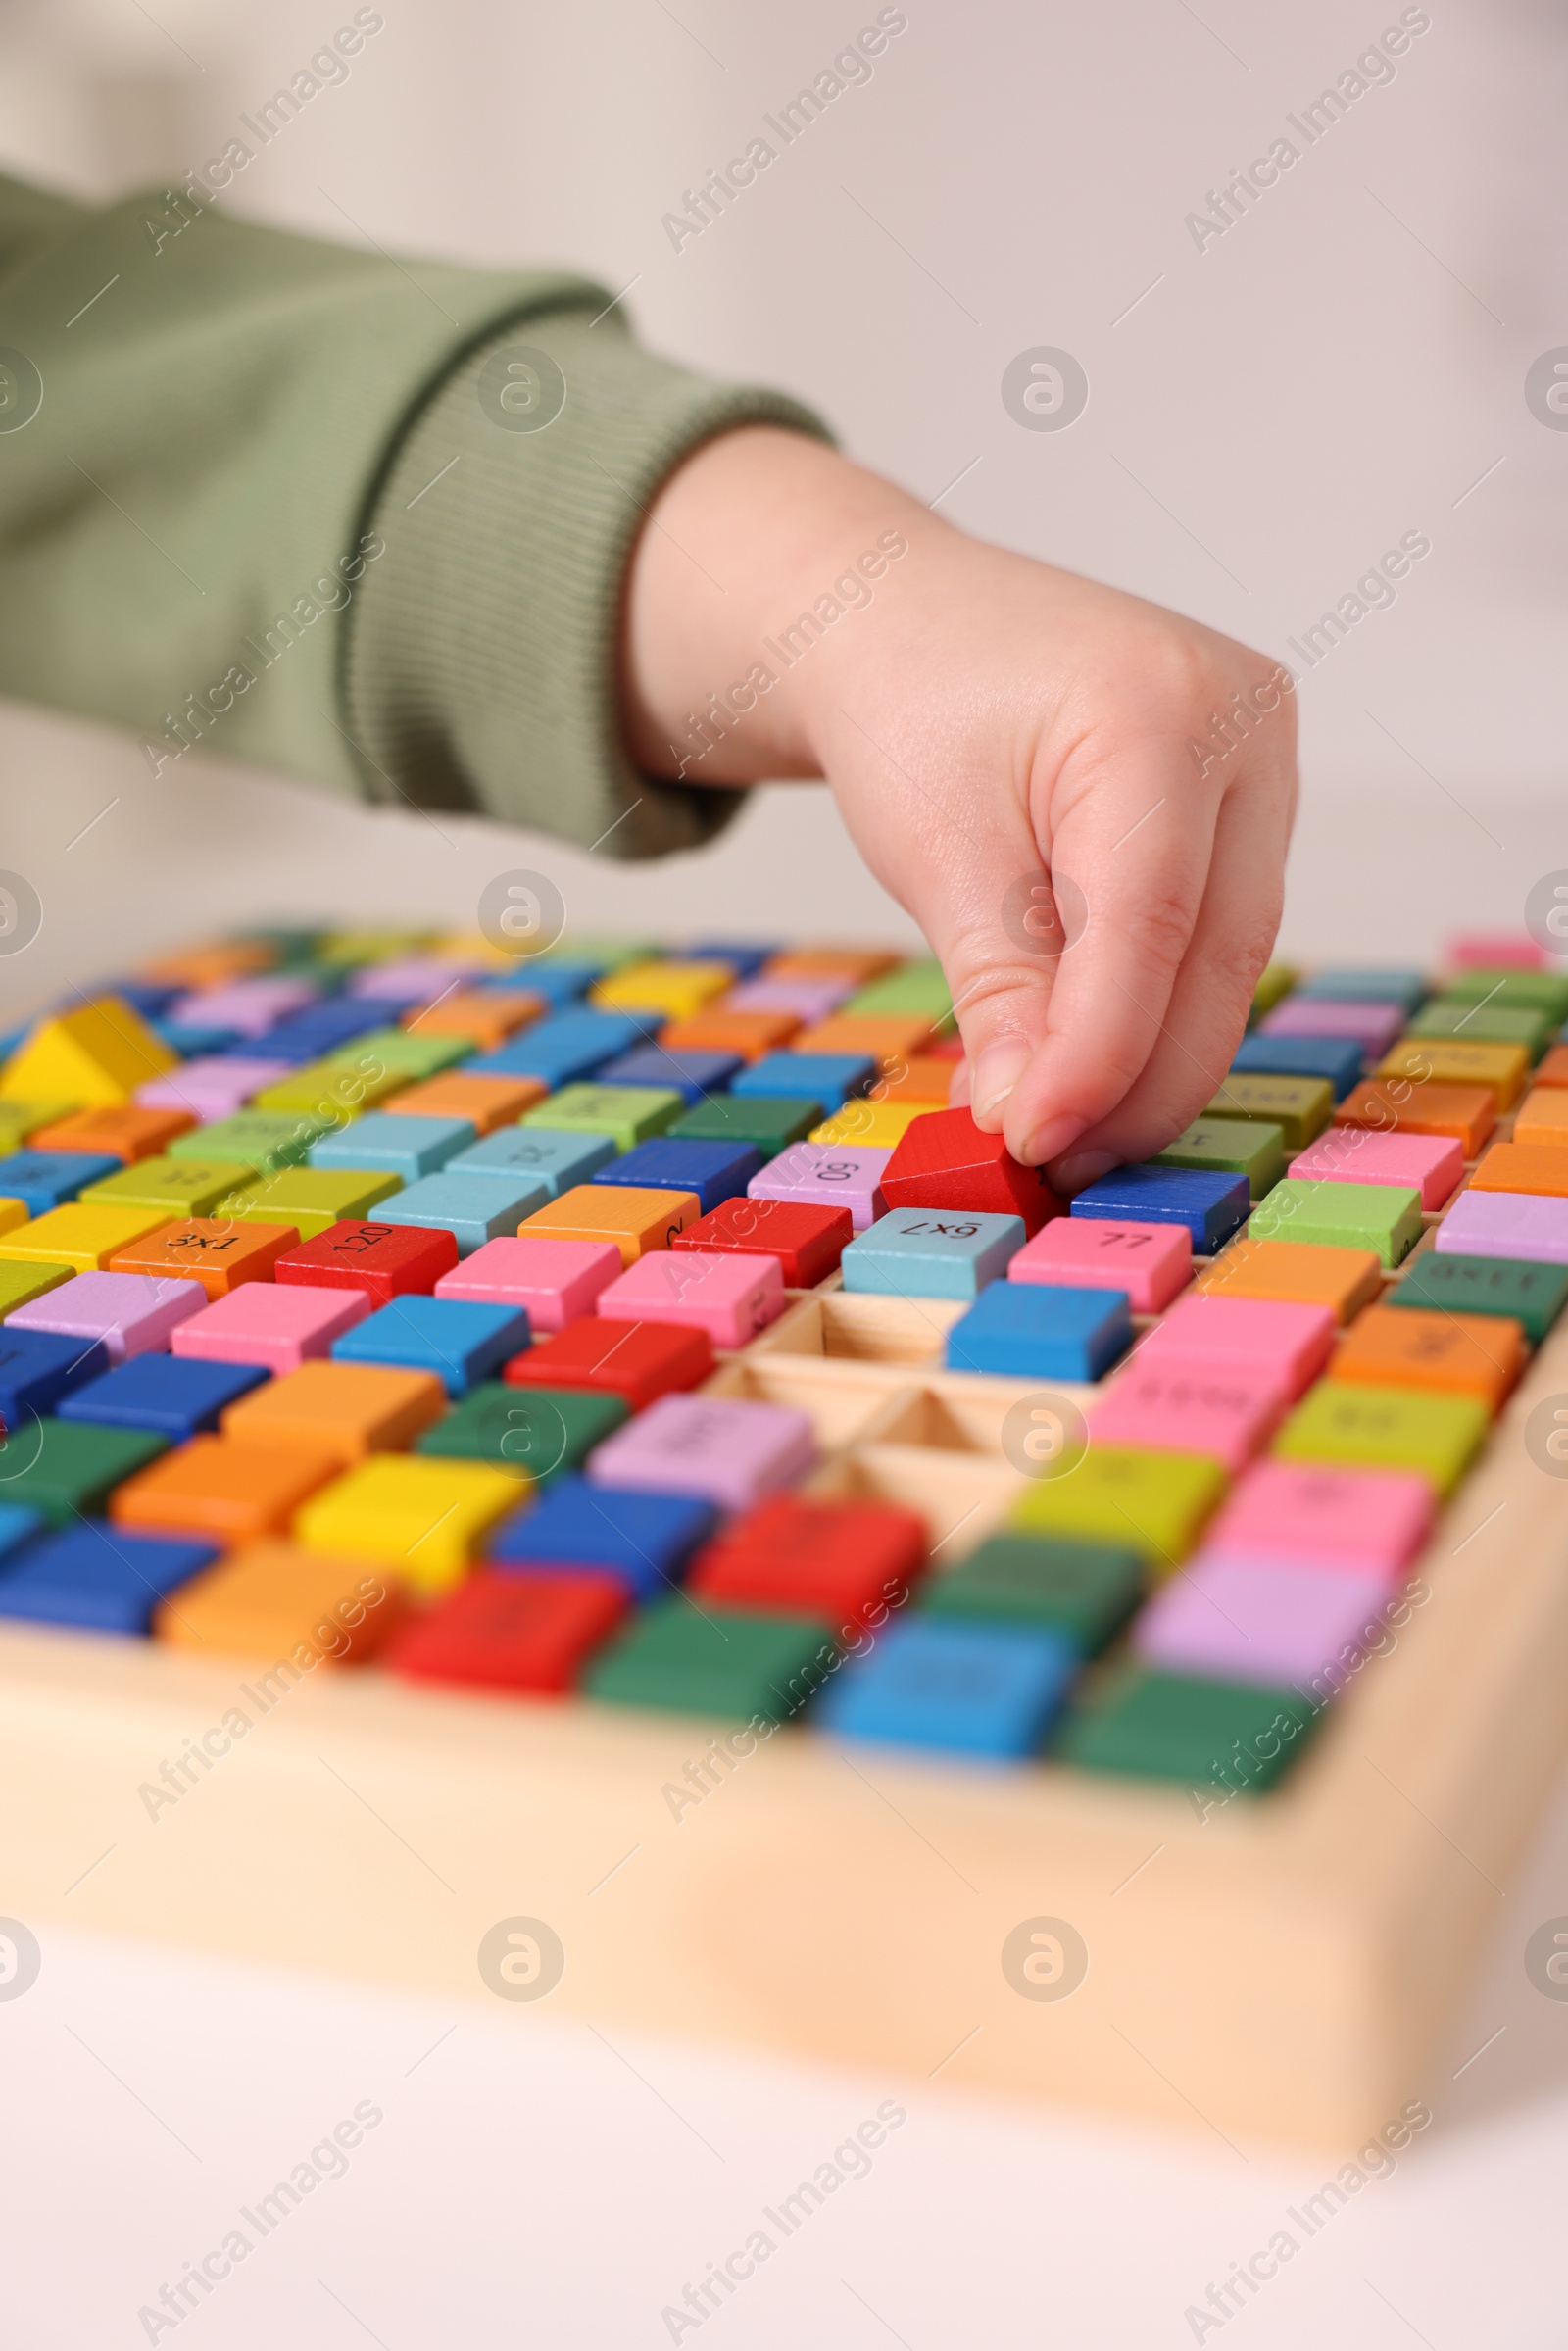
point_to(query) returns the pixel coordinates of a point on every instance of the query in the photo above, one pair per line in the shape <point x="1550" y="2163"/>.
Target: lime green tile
<point x="1481" y="1023"/>
<point x="409" y="1054"/>
<point x="1386" y="1428"/>
<point x="19" y="1120"/>
<point x="1236" y="1146"/>
<point x="1300" y="1107"/>
<point x="1384" y="1217"/>
<point x="330" y="1090"/>
<point x="918" y="989"/>
<point x="20" y="1283"/>
<point x="186" y="1186"/>
<point x="261" y="1139"/>
<point x="313" y="1198"/>
<point x="1543" y="991"/>
<point x="627" y="1114"/>
<point x="1152" y="1503"/>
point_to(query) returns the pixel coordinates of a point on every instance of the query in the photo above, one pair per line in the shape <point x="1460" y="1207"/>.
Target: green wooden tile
<point x="1236" y="1146"/>
<point x="1386" y="1428"/>
<point x="63" y="1467"/>
<point x="918" y="989"/>
<point x="542" y="1430"/>
<point x="1384" y="1217"/>
<point x="627" y="1114"/>
<point x="334" y="1091"/>
<point x="1152" y="1503"/>
<point x="1533" y="1295"/>
<point x="407" y="1054"/>
<point x="714" y="1661"/>
<point x="183" y="1186"/>
<point x="1229" y="1734"/>
<point x="1086" y="1590"/>
<point x="1480" y="1023"/>
<point x="21" y="1283"/>
<point x="1300" y="1107"/>
<point x="1541" y="991"/>
<point x="260" y="1139"/>
<point x="770" y="1120"/>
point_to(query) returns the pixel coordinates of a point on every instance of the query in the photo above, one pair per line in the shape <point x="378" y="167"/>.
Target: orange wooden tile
<point x="885" y="1037"/>
<point x="120" y="1129"/>
<point x="489" y="1016"/>
<point x="226" y="1491"/>
<point x="193" y="967"/>
<point x="1543" y="1116"/>
<point x="858" y="963"/>
<point x="1309" y="1273"/>
<point x="346" y="1409"/>
<point x="490" y="1102"/>
<point x="750" y="1034"/>
<point x="915" y="1078"/>
<point x="1399" y="1106"/>
<point x="1552" y="1067"/>
<point x="274" y="1600"/>
<point x="215" y="1250"/>
<point x="1523" y="1167"/>
<point x="1412" y="1346"/>
<point x="635" y="1217"/>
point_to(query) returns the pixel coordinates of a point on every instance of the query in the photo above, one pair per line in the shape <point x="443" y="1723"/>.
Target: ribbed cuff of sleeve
<point x="482" y="659"/>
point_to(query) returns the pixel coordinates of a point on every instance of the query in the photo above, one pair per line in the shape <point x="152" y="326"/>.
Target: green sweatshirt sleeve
<point x="359" y="518"/>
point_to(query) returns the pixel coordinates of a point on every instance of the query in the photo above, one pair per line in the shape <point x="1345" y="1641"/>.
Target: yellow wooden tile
<point x="879" y="1125"/>
<point x="1451" y="1062"/>
<point x="12" y="1213"/>
<point x="677" y="989"/>
<point x="423" y="1516"/>
<point x="79" y="1235"/>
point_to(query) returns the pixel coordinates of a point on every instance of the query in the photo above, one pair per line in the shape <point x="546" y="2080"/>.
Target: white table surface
<point x="531" y="2182"/>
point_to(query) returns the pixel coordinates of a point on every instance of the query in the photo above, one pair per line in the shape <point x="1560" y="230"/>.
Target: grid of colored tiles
<point x="441" y="1367"/>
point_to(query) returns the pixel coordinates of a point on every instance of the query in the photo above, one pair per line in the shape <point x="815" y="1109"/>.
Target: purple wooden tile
<point x="812" y="1000"/>
<point x="212" y="1087"/>
<point x="1505" y="1224"/>
<point x="725" y="1448"/>
<point x="412" y="980"/>
<point x="132" y="1313"/>
<point x="1374" y="1027"/>
<point x="827" y="1175"/>
<point x="247" y="1007"/>
<point x="1260" y="1620"/>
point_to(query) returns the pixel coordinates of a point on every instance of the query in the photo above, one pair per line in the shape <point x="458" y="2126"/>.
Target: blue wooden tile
<point x="746" y="956"/>
<point x="714" y="1172"/>
<point x="1211" y="1205"/>
<point x="320" y="1030"/>
<point x="646" y="1539"/>
<point x="830" y="1077"/>
<point x="1336" y="1058"/>
<point x="932" y="1252"/>
<point x="553" y="1156"/>
<point x="460" y="1340"/>
<point x="177" y="1394"/>
<point x="692" y="1075"/>
<point x="38" y="1367"/>
<point x="1365" y="984"/>
<point x="558" y="1051"/>
<point x="98" y="1577"/>
<point x="45" y="1180"/>
<point x="472" y="1208"/>
<point x="968" y="1688"/>
<point x="1041" y="1331"/>
<point x="17" y="1525"/>
<point x="409" y="1146"/>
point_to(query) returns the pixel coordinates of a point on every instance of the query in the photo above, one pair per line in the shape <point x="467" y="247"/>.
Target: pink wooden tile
<point x="1431" y="1165"/>
<point x="827" y="1175"/>
<point x="1225" y="1410"/>
<point x="556" y="1281"/>
<point x="132" y="1313"/>
<point x="280" y="1324"/>
<point x="1151" y="1262"/>
<point x="1260" y="1621"/>
<point x="1332" y="1518"/>
<point x="1493" y="950"/>
<point x="728" y="1448"/>
<point x="731" y="1297"/>
<point x="1293" y="1342"/>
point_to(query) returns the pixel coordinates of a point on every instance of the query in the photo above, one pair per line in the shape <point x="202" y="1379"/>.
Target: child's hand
<point x="985" y="719"/>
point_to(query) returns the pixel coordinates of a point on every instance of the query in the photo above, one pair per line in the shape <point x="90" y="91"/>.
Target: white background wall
<point x="1342" y="367"/>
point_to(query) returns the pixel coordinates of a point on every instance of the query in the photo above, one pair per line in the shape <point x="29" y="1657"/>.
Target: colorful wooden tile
<point x="806" y="1242"/>
<point x="643" y="1538"/>
<point x="213" y="1251"/>
<point x="1190" y="1729"/>
<point x="1190" y="1404"/>
<point x="916" y="1253"/>
<point x="486" y="1103"/>
<point x="1264" y="1623"/>
<point x="472" y="1208"/>
<point x="729" y="1297"/>
<point x="313" y="1198"/>
<point x="1306" y="1271"/>
<point x="176" y="1397"/>
<point x="748" y="1667"/>
<point x="769" y="1121"/>
<point x="728" y="1449"/>
<point x="44" y="1180"/>
<point x="1324" y="1516"/>
<point x="1503" y="1069"/>
<point x="820" y="1174"/>
<point x="1086" y="1592"/>
<point x="1212" y="1205"/>
<point x="280" y="1325"/>
<point x="1232" y="1146"/>
<point x="1336" y="1058"/>
<point x="546" y="1430"/>
<point x="1037" y="1331"/>
<point x="1397" y="1106"/>
<point x="1433" y="1166"/>
<point x="410" y="1145"/>
<point x="220" y="1488"/>
<point x="343" y="1408"/>
<point x="532" y="1631"/>
<point x="1533" y="1296"/>
<point x="1387" y="1427"/>
<point x="555" y="1158"/>
<point x="1152" y="1502"/>
<point x="128" y="1313"/>
<point x="635" y="1220"/>
<point x="1273" y="1338"/>
<point x="1385" y="1218"/>
<point x="714" y="1172"/>
<point x="944" y="1161"/>
<point x="693" y="1073"/>
<point x="638" y="1361"/>
<point x="953" y="1685"/>
<point x="1300" y="1107"/>
<point x="848" y="1562"/>
<point x="460" y="1341"/>
<point x="554" y="1282"/>
<point x="99" y="1579"/>
<point x="1152" y="1264"/>
<point x="627" y="1114"/>
<point x="384" y="1260"/>
<point x="80" y="1235"/>
<point x="1456" y="1355"/>
<point x="38" y="1368"/>
<point x="425" y="1519"/>
<point x="274" y="1601"/>
<point x="122" y="1131"/>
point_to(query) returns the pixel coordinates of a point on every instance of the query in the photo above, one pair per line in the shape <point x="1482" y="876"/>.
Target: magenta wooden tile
<point x="1431" y="1165"/>
<point x="556" y="1281"/>
<point x="277" y="1323"/>
<point x="1373" y="1026"/>
<point x="731" y="1296"/>
<point x="1505" y="1224"/>
<point x="1334" y="1518"/>
<point x="1153" y="1263"/>
<point x="1291" y="1341"/>
<point x="1191" y="1406"/>
<point x="1257" y="1620"/>
<point x="827" y="1175"/>
<point x="132" y="1313"/>
<point x="728" y="1448"/>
